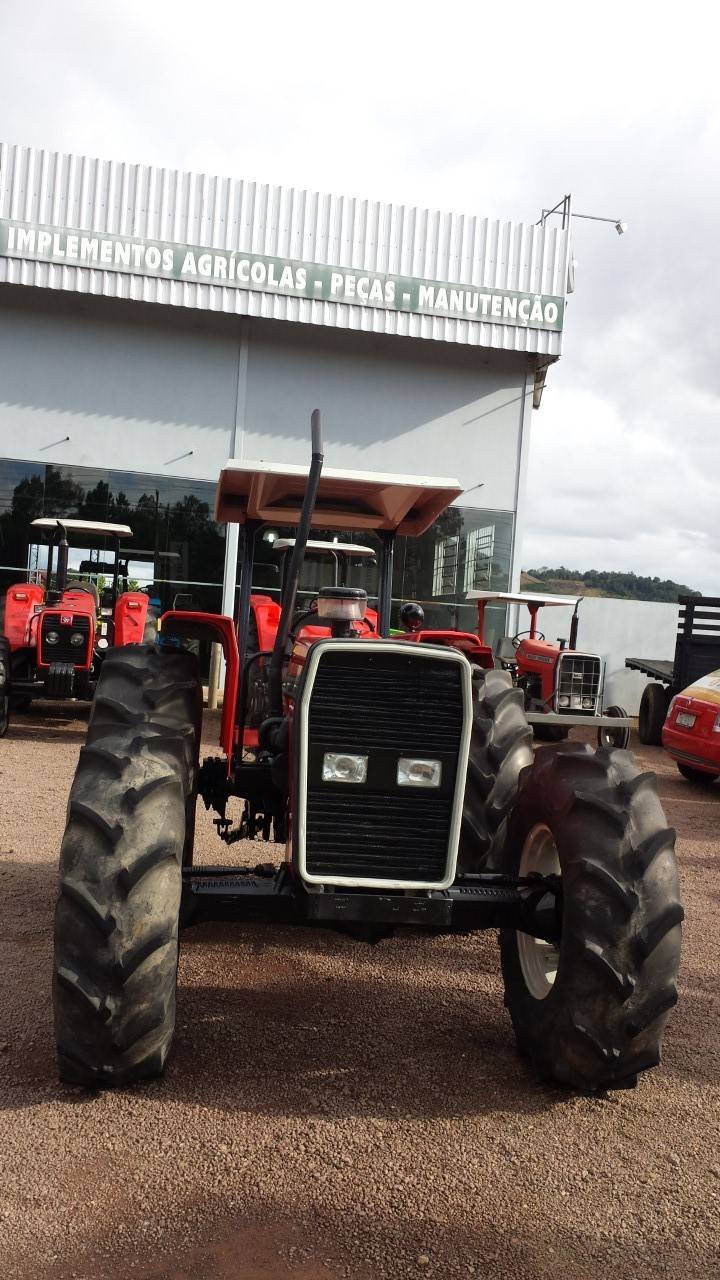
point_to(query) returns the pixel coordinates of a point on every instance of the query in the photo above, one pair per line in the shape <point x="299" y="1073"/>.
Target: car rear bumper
<point x="693" y="749"/>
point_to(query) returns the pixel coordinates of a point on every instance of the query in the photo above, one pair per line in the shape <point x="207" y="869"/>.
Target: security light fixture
<point x="563" y="208"/>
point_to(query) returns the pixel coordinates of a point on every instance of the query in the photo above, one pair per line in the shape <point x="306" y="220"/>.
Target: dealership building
<point x="155" y="323"/>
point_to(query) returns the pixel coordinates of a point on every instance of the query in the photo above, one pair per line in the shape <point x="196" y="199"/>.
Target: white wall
<point x="388" y="405"/>
<point x="153" y="389"/>
<point x="616" y="630"/>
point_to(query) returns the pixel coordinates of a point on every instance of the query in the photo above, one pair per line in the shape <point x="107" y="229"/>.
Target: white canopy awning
<point x="535" y="598"/>
<point x="273" y="492"/>
<point x="314" y="546"/>
<point x="83" y="526"/>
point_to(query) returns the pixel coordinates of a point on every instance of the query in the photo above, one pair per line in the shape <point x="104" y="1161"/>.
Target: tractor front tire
<point x="116" y="922"/>
<point x="590" y="1011"/>
<point x="150" y="630"/>
<point x="653" y="710"/>
<point x="500" y="748"/>
<point x="609" y="738"/>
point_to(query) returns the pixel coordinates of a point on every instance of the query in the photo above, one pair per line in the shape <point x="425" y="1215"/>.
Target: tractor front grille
<point x="578" y="678"/>
<point x="64" y="651"/>
<point x="383" y="704"/>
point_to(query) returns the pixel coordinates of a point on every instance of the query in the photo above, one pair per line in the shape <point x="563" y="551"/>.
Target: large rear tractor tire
<point x="500" y="748"/>
<point x="653" y="710"/>
<point x="116" y="922"/>
<point x="590" y="1011"/>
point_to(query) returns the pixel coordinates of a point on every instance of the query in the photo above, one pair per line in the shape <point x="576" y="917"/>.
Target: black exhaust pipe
<point x="574" y="627"/>
<point x="292" y="577"/>
<point x="52" y="596"/>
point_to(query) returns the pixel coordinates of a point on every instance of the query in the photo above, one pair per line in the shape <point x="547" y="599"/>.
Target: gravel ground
<point x="333" y="1109"/>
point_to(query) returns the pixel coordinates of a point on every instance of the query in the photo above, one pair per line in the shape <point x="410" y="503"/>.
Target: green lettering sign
<point x="286" y="276"/>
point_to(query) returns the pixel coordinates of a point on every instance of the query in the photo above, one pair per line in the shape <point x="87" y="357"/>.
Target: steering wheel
<point x="518" y="637"/>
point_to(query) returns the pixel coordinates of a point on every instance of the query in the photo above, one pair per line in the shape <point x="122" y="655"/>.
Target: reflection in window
<point x="480" y="545"/>
<point x="445" y="566"/>
<point x="177" y="551"/>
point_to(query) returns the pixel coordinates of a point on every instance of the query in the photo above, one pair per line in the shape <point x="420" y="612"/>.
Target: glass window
<point x="177" y="551"/>
<point x="465" y="551"/>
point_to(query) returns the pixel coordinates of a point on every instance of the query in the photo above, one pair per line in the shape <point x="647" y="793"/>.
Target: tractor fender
<point x="130" y="618"/>
<point x="20" y="603"/>
<point x="481" y="655"/>
<point x="184" y="624"/>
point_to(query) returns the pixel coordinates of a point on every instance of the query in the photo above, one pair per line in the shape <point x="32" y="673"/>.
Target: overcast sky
<point x="490" y="109"/>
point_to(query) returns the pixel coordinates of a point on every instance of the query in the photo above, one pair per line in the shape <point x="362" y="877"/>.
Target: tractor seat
<point x="88" y="587"/>
<point x="505" y="652"/>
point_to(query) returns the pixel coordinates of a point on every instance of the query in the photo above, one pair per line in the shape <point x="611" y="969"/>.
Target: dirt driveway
<point x="333" y="1109"/>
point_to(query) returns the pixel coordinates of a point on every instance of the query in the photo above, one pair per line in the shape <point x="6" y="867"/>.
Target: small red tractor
<point x="561" y="685"/>
<point x="398" y="773"/>
<point x="55" y="634"/>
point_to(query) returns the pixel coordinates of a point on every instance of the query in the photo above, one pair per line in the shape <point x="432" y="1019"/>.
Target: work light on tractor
<point x="397" y="771"/>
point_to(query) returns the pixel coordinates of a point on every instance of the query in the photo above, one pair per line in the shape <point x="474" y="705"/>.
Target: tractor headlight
<point x="77" y="638"/>
<point x="588" y="704"/>
<point x="339" y="766"/>
<point x="52" y="637"/>
<point x="418" y="773"/>
<point x="564" y="700"/>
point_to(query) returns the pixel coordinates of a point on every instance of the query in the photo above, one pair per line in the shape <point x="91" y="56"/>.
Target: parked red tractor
<point x="56" y="633"/>
<point x="562" y="686"/>
<point x="399" y="774"/>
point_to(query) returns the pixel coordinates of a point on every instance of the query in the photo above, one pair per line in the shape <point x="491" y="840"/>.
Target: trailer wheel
<point x="116" y="921"/>
<point x="698" y="777"/>
<point x="500" y="747"/>
<point x="590" y="1011"/>
<point x="609" y="738"/>
<point x="653" y="710"/>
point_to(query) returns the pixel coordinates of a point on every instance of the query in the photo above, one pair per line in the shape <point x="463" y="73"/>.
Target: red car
<point x="691" y="733"/>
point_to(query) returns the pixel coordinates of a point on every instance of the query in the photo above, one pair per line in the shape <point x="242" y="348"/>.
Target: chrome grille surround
<point x="578" y="675"/>
<point x="368" y="822"/>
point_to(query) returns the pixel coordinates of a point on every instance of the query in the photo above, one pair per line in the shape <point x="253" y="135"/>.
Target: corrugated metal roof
<point x="103" y="196"/>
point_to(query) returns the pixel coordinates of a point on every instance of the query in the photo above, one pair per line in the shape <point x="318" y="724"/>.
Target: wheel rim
<point x="538" y="959"/>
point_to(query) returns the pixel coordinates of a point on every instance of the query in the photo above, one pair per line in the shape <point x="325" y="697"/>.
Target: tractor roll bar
<point x="292" y="578"/>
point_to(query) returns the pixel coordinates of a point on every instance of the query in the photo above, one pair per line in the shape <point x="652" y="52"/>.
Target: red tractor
<point x="561" y="685"/>
<point x="398" y="774"/>
<point x="55" y="634"/>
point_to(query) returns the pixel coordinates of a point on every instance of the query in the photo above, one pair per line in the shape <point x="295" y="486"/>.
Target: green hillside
<point x="603" y="582"/>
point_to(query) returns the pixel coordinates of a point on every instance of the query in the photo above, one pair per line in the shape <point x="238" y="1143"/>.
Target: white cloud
<point x="495" y="110"/>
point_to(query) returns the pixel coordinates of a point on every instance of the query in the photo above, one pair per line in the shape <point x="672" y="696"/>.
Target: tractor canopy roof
<point x="272" y="493"/>
<point x="83" y="526"/>
<point x="316" y="547"/>
<point x="534" y="599"/>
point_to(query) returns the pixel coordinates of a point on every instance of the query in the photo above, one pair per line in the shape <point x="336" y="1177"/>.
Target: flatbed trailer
<point x="656" y="668"/>
<point x="697" y="652"/>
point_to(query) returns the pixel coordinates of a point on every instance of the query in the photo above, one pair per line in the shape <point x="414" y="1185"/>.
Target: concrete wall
<point x="137" y="387"/>
<point x="616" y="630"/>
